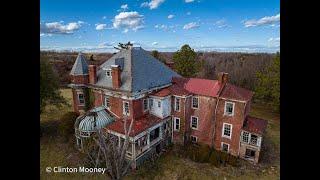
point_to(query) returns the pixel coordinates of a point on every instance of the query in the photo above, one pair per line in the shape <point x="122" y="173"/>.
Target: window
<point x="176" y="124"/>
<point x="194" y="139"/>
<point x="108" y="73"/>
<point x="194" y="122"/>
<point x="195" y="102"/>
<point x="81" y="98"/>
<point x="106" y="101"/>
<point x="224" y="147"/>
<point x="145" y="104"/>
<point x="227" y="130"/>
<point x="253" y="139"/>
<point x="126" y="108"/>
<point x="245" y="136"/>
<point x="229" y="108"/>
<point x="159" y="104"/>
<point x="177" y="104"/>
<point x="165" y="126"/>
<point x="250" y="153"/>
<point x="150" y="102"/>
<point x="154" y="134"/>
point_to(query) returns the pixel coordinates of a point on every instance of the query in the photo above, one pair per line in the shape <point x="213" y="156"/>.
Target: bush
<point x="66" y="127"/>
<point x="197" y="152"/>
<point x="218" y="158"/>
<point x="48" y="128"/>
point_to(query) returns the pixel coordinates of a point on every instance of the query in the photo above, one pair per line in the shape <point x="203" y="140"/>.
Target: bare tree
<point x="108" y="151"/>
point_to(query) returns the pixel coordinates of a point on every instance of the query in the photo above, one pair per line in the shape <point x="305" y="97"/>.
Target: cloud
<point x="153" y="4"/>
<point x="188" y="1"/>
<point x="100" y="27"/>
<point x="274" y="39"/>
<point x="221" y="23"/>
<point x="170" y="16"/>
<point x="105" y="44"/>
<point x="154" y="43"/>
<point x="124" y="6"/>
<point x="104" y="17"/>
<point x="59" y="27"/>
<point x="263" y="21"/>
<point x="191" y="25"/>
<point x="165" y="27"/>
<point x="128" y="21"/>
<point x="188" y="13"/>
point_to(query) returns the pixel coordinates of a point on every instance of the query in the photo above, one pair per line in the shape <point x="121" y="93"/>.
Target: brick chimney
<point x="116" y="76"/>
<point x="92" y="74"/>
<point x="223" y="77"/>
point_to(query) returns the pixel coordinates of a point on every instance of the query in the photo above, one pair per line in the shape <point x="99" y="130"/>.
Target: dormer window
<point x="108" y="73"/>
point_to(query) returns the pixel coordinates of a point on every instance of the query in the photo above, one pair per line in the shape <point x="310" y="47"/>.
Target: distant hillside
<point x="242" y="67"/>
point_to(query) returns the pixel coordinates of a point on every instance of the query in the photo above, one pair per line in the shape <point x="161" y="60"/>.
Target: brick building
<point x="165" y="107"/>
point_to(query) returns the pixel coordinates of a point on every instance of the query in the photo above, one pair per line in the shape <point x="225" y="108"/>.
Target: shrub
<point x="214" y="158"/>
<point x="66" y="127"/>
<point x="218" y="158"/>
<point x="48" y="128"/>
<point x="197" y="152"/>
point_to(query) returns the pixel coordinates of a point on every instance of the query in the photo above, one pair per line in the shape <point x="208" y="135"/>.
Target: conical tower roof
<point x="80" y="67"/>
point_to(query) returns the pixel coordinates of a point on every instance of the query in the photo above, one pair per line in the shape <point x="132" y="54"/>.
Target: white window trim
<point x="197" y="122"/>
<point x="192" y="102"/>
<point x="229" y="137"/>
<point x="225" y="108"/>
<point x="175" y="104"/>
<point x="159" y="102"/>
<point x="104" y="101"/>
<point x="144" y="110"/>
<point x="222" y="143"/>
<point x="84" y="100"/>
<point x="123" y="108"/>
<point x="110" y="71"/>
<point x="174" y="124"/>
<point x="194" y="137"/>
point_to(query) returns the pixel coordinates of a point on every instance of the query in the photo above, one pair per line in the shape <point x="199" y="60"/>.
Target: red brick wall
<point x="137" y="108"/>
<point x="98" y="98"/>
<point x="81" y="79"/>
<point x="178" y="136"/>
<point x="236" y="120"/>
<point x="205" y="114"/>
<point x="76" y="105"/>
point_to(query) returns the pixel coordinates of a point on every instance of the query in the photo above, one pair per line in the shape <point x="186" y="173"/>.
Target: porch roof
<point x="255" y="125"/>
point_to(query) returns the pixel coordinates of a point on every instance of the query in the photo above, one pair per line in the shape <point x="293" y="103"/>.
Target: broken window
<point x="194" y="139"/>
<point x="229" y="108"/>
<point x="154" y="134"/>
<point x="159" y="104"/>
<point x="195" y="102"/>
<point x="245" y="136"/>
<point x="108" y="73"/>
<point x="194" y="122"/>
<point x="177" y="104"/>
<point x="250" y="153"/>
<point x="150" y="102"/>
<point x="81" y="98"/>
<point x="106" y="101"/>
<point x="145" y="104"/>
<point x="227" y="130"/>
<point x="224" y="147"/>
<point x="253" y="139"/>
<point x="126" y="108"/>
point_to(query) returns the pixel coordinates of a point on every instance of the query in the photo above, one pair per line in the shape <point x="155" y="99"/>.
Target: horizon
<point x="245" y="26"/>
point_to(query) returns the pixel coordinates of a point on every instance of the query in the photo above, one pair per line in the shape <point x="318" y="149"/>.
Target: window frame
<point x="195" y="138"/>
<point x="110" y="72"/>
<point x="150" y="103"/>
<point x="248" y="138"/>
<point x="223" y="143"/>
<point x="159" y="103"/>
<point x="225" y="108"/>
<point x="196" y="128"/>
<point x="104" y="101"/>
<point x="223" y="127"/>
<point x="143" y="105"/>
<point x="175" y="104"/>
<point x="78" y="95"/>
<point x="123" y="108"/>
<point x="195" y="97"/>
<point x="175" y="124"/>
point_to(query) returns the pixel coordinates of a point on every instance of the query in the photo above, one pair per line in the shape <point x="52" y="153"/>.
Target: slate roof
<point x="140" y="71"/>
<point x="231" y="91"/>
<point x="138" y="126"/>
<point x="80" y="66"/>
<point x="255" y="125"/>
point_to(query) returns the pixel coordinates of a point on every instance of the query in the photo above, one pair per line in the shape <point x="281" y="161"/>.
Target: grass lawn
<point x="54" y="151"/>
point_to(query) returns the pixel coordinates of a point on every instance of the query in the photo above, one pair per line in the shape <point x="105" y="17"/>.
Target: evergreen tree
<point x="185" y="61"/>
<point x="49" y="86"/>
<point x="268" y="86"/>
